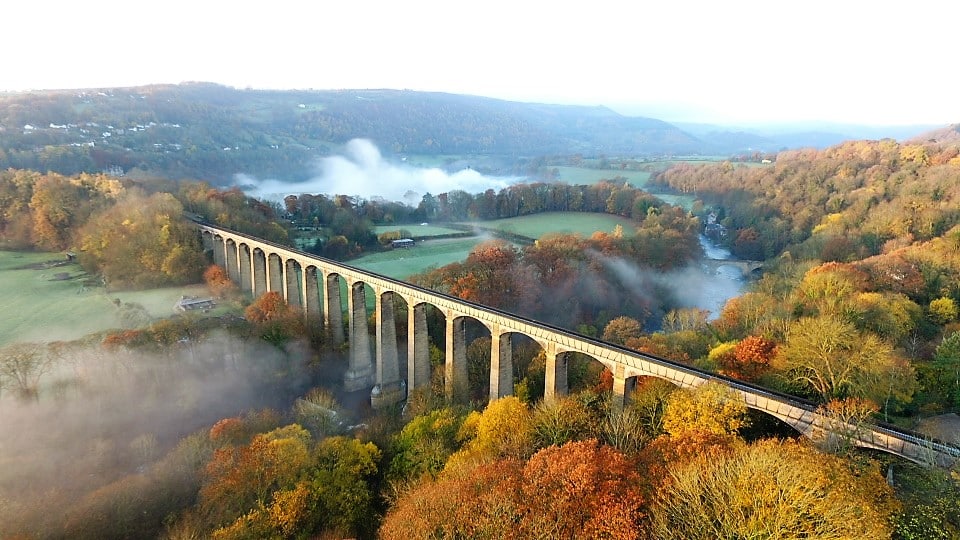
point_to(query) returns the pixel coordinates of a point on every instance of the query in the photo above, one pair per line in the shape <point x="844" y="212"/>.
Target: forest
<point x="856" y="309"/>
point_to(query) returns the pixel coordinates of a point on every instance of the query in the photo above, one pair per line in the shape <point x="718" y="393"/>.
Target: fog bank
<point x="362" y="171"/>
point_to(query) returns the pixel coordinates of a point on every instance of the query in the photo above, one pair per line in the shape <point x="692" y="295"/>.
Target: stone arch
<point x="219" y="251"/>
<point x="312" y="292"/>
<point x="418" y="372"/>
<point x="333" y="287"/>
<point x="259" y="264"/>
<point x="360" y="373"/>
<point x="231" y="256"/>
<point x="245" y="262"/>
<point x="291" y="282"/>
<point x="389" y="387"/>
<point x="462" y="330"/>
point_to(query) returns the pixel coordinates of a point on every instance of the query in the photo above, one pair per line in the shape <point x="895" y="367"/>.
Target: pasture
<point x="403" y="262"/>
<point x="581" y="175"/>
<point x="37" y="306"/>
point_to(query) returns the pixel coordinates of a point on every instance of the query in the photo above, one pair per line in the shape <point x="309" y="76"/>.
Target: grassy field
<point x="37" y="308"/>
<point x="537" y="225"/>
<point x="578" y="175"/>
<point x="401" y="263"/>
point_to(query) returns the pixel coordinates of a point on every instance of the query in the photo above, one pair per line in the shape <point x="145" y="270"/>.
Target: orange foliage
<point x="606" y="381"/>
<point x="217" y="280"/>
<point x="125" y="338"/>
<point x="581" y="489"/>
<point x="750" y="359"/>
<point x="269" y="307"/>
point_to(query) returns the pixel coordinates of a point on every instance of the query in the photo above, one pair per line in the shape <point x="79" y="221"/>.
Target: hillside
<point x="945" y="135"/>
<point x="212" y="132"/>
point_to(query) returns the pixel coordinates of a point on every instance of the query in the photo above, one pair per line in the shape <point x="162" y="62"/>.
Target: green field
<point x="579" y="175"/>
<point x="37" y="308"/>
<point x="537" y="225"/>
<point x="401" y="263"/>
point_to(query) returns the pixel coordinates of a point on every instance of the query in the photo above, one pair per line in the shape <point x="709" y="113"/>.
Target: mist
<point x="362" y="171"/>
<point x="105" y="417"/>
<point x="693" y="286"/>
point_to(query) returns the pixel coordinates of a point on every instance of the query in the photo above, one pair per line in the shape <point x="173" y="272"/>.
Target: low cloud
<point x="361" y="170"/>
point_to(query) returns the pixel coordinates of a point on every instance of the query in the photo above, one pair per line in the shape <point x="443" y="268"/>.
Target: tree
<point x="710" y="408"/>
<point x="829" y="357"/>
<point x="240" y="478"/>
<point x="748" y="359"/>
<point x="504" y="429"/>
<point x="560" y="421"/>
<point x="142" y="241"/>
<point x="579" y="490"/>
<point x="217" y="280"/>
<point x="946" y="363"/>
<point x="770" y="490"/>
<point x="277" y="322"/>
<point x="423" y="446"/>
<point x="943" y="310"/>
<point x="621" y="329"/>
<point x="342" y="483"/>
<point x="22" y="365"/>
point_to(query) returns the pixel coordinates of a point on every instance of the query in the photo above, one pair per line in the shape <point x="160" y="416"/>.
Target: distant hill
<point x="773" y="138"/>
<point x="949" y="134"/>
<point x="201" y="130"/>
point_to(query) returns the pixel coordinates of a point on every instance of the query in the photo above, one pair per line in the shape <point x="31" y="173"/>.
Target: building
<point x="192" y="303"/>
<point x="402" y="243"/>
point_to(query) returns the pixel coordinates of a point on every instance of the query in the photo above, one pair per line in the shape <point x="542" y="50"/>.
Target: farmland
<point x="581" y="175"/>
<point x="38" y="306"/>
<point x="401" y="263"/>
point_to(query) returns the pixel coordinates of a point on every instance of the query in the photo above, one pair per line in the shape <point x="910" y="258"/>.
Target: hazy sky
<point x="734" y="61"/>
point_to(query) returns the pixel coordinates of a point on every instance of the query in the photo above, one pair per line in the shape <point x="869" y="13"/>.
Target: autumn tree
<point x="622" y="329"/>
<point x="829" y="357"/>
<point x="503" y="429"/>
<point x="748" y="359"/>
<point x="142" y="241"/>
<point x="423" y="446"/>
<point x="942" y="310"/>
<point x="770" y="490"/>
<point x="240" y="478"/>
<point x="217" y="280"/>
<point x="711" y="408"/>
<point x="277" y="322"/>
<point x="579" y="489"/>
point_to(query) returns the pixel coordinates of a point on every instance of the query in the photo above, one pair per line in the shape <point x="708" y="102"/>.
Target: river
<point x="709" y="287"/>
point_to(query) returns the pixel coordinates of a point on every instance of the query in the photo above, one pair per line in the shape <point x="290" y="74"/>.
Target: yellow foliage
<point x="722" y="350"/>
<point x="711" y="408"/>
<point x="773" y="489"/>
<point x="504" y="429"/>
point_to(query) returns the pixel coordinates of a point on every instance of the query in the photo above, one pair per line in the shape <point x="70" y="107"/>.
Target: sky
<point x="733" y="62"/>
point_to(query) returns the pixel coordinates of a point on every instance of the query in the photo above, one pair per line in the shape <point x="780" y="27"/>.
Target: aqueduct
<point x="313" y="284"/>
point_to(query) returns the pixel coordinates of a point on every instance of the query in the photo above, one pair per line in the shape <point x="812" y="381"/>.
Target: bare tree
<point x="22" y="365"/>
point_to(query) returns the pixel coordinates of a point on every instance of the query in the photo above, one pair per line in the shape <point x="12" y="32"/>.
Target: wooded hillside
<point x="207" y="131"/>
